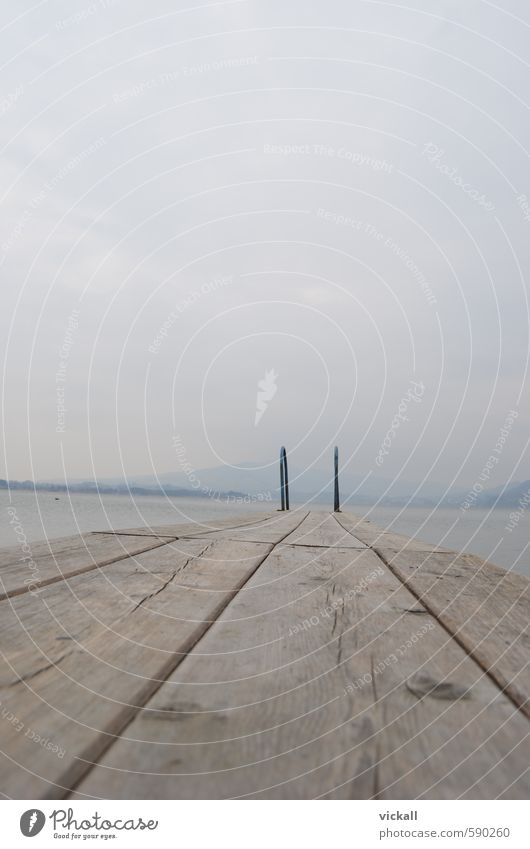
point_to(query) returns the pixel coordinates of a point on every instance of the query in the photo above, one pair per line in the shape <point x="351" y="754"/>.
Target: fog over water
<point x="233" y="226"/>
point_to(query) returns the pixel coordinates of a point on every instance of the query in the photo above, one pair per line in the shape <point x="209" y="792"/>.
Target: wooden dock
<point x="295" y="655"/>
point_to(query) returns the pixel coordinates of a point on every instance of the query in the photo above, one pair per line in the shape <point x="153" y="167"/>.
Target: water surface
<point x="41" y="516"/>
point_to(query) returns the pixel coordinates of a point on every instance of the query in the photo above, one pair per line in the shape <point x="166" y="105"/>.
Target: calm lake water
<point x="481" y="532"/>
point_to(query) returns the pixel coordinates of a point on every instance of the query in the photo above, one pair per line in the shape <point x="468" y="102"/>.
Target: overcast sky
<point x="328" y="198"/>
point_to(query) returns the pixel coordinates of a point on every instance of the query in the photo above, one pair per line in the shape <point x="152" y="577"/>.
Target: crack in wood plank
<point x="132" y="712"/>
<point x="522" y="704"/>
<point x="181" y="568"/>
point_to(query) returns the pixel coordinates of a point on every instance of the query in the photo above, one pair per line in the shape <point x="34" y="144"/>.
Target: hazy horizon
<point x="238" y="226"/>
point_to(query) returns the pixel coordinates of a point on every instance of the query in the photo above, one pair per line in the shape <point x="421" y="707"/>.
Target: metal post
<point x="336" y="500"/>
<point x="286" y="479"/>
<point x="282" y="481"/>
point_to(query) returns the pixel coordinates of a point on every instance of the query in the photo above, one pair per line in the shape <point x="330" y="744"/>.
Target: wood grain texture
<point x="86" y="696"/>
<point x="37" y="632"/>
<point x="485" y="608"/>
<point x="12" y="555"/>
<point x="314" y="682"/>
<point x="293" y="655"/>
<point x="48" y="563"/>
<point x="272" y="531"/>
<point x="195" y="528"/>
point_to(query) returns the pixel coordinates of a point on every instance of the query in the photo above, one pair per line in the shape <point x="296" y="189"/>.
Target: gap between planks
<point x="137" y="533"/>
<point x="90" y="567"/>
<point x="522" y="704"/>
<point x="177" y="660"/>
<point x="65" y="573"/>
<point x="278" y="697"/>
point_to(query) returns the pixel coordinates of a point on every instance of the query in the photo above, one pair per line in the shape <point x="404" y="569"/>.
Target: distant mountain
<point x="511" y="497"/>
<point x="312" y="484"/>
<point x="308" y="483"/>
<point x="122" y="488"/>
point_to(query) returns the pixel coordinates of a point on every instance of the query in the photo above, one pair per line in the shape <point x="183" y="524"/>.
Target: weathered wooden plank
<point x="321" y="529"/>
<point x="196" y="528"/>
<point x="87" y="696"/>
<point x="163" y="531"/>
<point x="13" y="555"/>
<point x="38" y="631"/>
<point x="486" y="608"/>
<point x="46" y="564"/>
<point x="273" y="530"/>
<point x="276" y="701"/>
<point x="374" y="536"/>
